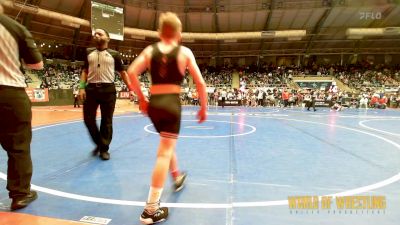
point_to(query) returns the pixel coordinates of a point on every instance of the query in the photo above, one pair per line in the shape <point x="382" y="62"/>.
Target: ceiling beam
<point x="217" y="30"/>
<point x="57" y="6"/>
<point x="376" y="23"/>
<point x="186" y="10"/>
<point x="318" y="27"/>
<point x="216" y="22"/>
<point x="123" y="2"/>
<point x="156" y="14"/>
<point x="85" y="5"/>
<point x="357" y="46"/>
<point x="338" y="41"/>
<point x="27" y="17"/>
<point x="39" y="36"/>
<point x="267" y="22"/>
<point x="66" y="28"/>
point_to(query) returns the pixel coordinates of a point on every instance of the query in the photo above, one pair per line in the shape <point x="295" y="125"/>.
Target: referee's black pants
<point x="15" y="138"/>
<point x="311" y="104"/>
<point x="105" y="96"/>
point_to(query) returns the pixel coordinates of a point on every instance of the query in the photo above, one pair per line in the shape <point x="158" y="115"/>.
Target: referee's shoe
<point x="103" y="155"/>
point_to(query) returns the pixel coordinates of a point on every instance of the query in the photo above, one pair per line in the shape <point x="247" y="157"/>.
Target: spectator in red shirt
<point x="285" y="97"/>
<point x="374" y="101"/>
<point x="383" y="102"/>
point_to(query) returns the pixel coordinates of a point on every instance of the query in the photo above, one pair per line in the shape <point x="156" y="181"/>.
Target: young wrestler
<point x="167" y="62"/>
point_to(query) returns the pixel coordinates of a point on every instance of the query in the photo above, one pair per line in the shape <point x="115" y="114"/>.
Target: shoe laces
<point x="153" y="208"/>
<point x="179" y="179"/>
<point x="159" y="212"/>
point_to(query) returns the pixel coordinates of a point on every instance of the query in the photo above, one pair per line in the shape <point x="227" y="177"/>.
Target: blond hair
<point x="171" y="20"/>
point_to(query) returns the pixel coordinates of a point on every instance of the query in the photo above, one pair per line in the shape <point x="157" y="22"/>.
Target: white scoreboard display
<point x="109" y="18"/>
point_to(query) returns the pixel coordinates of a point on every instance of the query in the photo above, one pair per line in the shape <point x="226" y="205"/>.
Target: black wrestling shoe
<point x="179" y="182"/>
<point x="158" y="216"/>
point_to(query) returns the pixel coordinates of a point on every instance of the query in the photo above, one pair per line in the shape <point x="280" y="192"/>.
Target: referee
<point x="97" y="88"/>
<point x="15" y="107"/>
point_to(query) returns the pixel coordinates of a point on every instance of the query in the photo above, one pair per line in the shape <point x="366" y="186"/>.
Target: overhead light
<point x="290" y="33"/>
<point x="364" y="31"/>
<point x="356" y="33"/>
<point x="267" y="33"/>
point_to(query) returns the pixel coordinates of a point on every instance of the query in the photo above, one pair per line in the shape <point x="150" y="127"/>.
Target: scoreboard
<point x="109" y="18"/>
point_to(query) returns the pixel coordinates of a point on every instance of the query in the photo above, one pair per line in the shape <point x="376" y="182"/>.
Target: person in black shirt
<point x="15" y="108"/>
<point x="313" y="94"/>
<point x="97" y="89"/>
<point x="75" y="93"/>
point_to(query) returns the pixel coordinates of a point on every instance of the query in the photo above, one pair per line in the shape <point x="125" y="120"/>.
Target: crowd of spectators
<point x="58" y="76"/>
<point x="282" y="97"/>
<point x="264" y="84"/>
<point x="218" y="79"/>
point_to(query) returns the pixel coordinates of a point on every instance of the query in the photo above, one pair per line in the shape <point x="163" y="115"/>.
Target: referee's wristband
<point x="82" y="85"/>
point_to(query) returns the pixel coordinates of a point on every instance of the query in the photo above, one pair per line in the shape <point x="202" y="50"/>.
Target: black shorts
<point x="165" y="113"/>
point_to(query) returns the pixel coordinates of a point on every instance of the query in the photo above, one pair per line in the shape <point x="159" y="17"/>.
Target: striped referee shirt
<point x="102" y="64"/>
<point x="16" y="42"/>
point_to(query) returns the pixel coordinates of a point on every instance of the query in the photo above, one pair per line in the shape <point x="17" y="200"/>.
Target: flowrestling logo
<point x="370" y="15"/>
